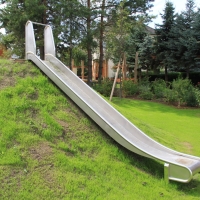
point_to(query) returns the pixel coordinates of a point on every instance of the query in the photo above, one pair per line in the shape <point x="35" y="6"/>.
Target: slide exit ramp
<point x="177" y="166"/>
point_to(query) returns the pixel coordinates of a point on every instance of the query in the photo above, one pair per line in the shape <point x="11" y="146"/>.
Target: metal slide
<point x="177" y="166"/>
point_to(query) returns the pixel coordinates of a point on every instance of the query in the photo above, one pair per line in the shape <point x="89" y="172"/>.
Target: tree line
<point x="111" y="28"/>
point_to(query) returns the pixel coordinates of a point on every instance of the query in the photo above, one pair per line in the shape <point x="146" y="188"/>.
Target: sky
<point x="159" y="6"/>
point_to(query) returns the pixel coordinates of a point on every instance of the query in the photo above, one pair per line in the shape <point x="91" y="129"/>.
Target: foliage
<point x="14" y="17"/>
<point x="179" y="92"/>
<point x="78" y="55"/>
<point x="104" y="87"/>
<point x="146" y="52"/>
<point x="159" y="88"/>
<point x="197" y="94"/>
<point x="129" y="88"/>
<point x="117" y="35"/>
<point x="180" y="88"/>
<point x="163" y="33"/>
<point x="192" y="97"/>
<point x="145" y="91"/>
<point x="183" y="40"/>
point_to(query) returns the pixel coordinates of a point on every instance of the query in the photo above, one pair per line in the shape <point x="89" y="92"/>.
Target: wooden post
<point x="114" y="83"/>
<point x="94" y="69"/>
<point x="74" y="69"/>
<point x="82" y="69"/>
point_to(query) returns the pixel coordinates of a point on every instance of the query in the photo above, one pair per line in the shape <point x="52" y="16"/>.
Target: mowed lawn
<point x="176" y="128"/>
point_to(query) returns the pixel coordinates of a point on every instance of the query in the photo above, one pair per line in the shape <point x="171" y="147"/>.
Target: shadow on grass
<point x="148" y="106"/>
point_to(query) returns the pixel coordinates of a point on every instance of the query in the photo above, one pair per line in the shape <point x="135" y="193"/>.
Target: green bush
<point x="197" y="92"/>
<point x="105" y="87"/>
<point x="181" y="87"/>
<point x="182" y="92"/>
<point x="191" y="98"/>
<point x="145" y="91"/>
<point x="130" y="88"/>
<point x="159" y="88"/>
<point x="171" y="97"/>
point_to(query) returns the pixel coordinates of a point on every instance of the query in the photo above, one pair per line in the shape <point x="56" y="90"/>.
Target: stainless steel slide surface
<point x="178" y="166"/>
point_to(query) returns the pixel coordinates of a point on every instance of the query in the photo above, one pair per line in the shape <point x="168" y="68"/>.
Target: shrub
<point x="191" y="98"/>
<point x="145" y="89"/>
<point x="159" y="88"/>
<point x="197" y="95"/>
<point x="105" y="87"/>
<point x="171" y="97"/>
<point x="129" y="88"/>
<point x="181" y="87"/>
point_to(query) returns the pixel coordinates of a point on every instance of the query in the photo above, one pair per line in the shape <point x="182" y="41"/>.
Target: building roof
<point x="150" y="30"/>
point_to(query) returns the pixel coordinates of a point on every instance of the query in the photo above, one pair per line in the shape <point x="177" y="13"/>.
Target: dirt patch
<point x="63" y="124"/>
<point x="40" y="152"/>
<point x="7" y="81"/>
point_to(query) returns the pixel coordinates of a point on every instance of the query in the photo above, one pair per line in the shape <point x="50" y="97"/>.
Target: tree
<point x="107" y="11"/>
<point x="68" y="26"/>
<point x="136" y="38"/>
<point x="185" y="46"/>
<point x="14" y="16"/>
<point x="76" y="25"/>
<point x="118" y="34"/>
<point x="163" y="33"/>
<point x="102" y="27"/>
<point x="146" y="52"/>
<point x="196" y="26"/>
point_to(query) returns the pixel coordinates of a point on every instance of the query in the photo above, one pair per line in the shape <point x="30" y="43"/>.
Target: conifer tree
<point x="13" y="18"/>
<point x="185" y="46"/>
<point x="163" y="33"/>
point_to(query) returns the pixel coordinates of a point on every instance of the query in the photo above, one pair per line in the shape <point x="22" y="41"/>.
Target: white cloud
<point x="159" y="6"/>
<point x="2" y="30"/>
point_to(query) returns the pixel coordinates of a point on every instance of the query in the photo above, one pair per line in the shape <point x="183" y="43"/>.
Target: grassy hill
<point x="49" y="149"/>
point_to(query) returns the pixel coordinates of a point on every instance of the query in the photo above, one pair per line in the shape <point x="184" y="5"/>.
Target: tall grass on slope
<point x="49" y="149"/>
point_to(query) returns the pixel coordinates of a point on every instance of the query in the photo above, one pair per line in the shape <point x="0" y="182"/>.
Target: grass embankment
<point x="49" y="149"/>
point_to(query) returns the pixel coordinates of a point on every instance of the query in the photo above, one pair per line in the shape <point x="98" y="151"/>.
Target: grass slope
<point x="49" y="149"/>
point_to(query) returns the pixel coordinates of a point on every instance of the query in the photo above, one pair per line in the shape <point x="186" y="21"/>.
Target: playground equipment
<point x="177" y="166"/>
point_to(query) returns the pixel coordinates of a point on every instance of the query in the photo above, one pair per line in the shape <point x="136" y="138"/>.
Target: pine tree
<point x="185" y="42"/>
<point x="163" y="33"/>
<point x="146" y="52"/>
<point x="14" y="17"/>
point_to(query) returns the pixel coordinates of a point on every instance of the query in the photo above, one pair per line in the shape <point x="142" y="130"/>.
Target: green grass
<point x="173" y="127"/>
<point x="49" y="149"/>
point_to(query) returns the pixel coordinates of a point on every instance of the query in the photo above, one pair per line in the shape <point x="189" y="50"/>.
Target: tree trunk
<point x="135" y="68"/>
<point x="124" y="67"/>
<point x="187" y="73"/>
<point x="166" y="74"/>
<point x="44" y="21"/>
<point x="89" y="48"/>
<point x="70" y="58"/>
<point x="140" y="74"/>
<point x="101" y="43"/>
<point x="70" y="38"/>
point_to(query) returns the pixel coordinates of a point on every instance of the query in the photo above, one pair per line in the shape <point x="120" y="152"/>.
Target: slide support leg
<point x="166" y="172"/>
